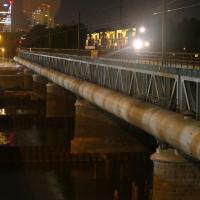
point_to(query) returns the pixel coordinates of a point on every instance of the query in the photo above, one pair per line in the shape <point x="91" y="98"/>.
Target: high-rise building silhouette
<point x="42" y="16"/>
<point x="5" y="16"/>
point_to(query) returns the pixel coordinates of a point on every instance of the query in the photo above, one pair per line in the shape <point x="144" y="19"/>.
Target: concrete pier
<point x="60" y="113"/>
<point x="12" y="82"/>
<point x="11" y="70"/>
<point x="28" y="80"/>
<point x="175" y="178"/>
<point x="96" y="131"/>
<point x="39" y="87"/>
<point x="11" y="78"/>
<point x="60" y="102"/>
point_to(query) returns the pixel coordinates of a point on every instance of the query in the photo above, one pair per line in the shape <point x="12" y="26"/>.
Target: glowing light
<point x="115" y="44"/>
<point x="138" y="44"/>
<point x="3" y="49"/>
<point x="142" y="29"/>
<point x="2" y="111"/>
<point x="146" y="44"/>
<point x="5" y="5"/>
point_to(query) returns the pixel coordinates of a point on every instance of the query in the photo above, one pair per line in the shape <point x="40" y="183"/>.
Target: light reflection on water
<point x="74" y="183"/>
<point x="6" y="139"/>
<point x="3" y="139"/>
<point x="3" y="111"/>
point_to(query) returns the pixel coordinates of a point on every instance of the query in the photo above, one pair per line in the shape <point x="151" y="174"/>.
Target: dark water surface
<point x="32" y="165"/>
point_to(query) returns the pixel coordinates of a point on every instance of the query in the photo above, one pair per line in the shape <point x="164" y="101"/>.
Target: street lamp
<point x="147" y="44"/>
<point x="142" y="29"/>
<point x="138" y="44"/>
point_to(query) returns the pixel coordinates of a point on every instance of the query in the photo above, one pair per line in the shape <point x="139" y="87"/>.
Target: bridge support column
<point x="39" y="87"/>
<point x="60" y="102"/>
<point x="11" y="78"/>
<point x="60" y="113"/>
<point x="96" y="131"/>
<point x="28" y="80"/>
<point x="11" y="70"/>
<point x="174" y="177"/>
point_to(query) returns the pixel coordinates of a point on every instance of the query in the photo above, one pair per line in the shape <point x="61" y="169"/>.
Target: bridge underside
<point x="96" y="131"/>
<point x="167" y="126"/>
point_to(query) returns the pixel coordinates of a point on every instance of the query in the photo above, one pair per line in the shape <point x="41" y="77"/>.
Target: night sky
<point x="104" y="13"/>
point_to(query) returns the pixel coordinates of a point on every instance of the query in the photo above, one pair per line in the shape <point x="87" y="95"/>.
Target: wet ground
<point x="35" y="163"/>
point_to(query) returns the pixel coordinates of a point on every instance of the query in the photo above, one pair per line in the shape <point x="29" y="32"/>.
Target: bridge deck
<point x="174" y="86"/>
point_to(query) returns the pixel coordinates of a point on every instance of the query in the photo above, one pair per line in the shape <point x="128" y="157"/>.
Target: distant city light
<point x="142" y="29"/>
<point x="146" y="44"/>
<point x="5" y="17"/>
<point x="138" y="44"/>
<point x="42" y="15"/>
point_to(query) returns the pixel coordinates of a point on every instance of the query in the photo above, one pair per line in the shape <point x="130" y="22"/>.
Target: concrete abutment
<point x="175" y="178"/>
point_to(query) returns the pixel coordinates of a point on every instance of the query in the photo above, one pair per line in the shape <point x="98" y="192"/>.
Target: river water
<point x="27" y="134"/>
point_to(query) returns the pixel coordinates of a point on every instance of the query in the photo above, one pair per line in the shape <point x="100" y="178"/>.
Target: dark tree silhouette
<point x="59" y="37"/>
<point x="188" y="35"/>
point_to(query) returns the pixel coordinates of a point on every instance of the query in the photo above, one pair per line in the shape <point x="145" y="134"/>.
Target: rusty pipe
<point x="168" y="126"/>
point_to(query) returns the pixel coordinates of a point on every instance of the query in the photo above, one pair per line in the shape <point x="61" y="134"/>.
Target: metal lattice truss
<point x="172" y="91"/>
<point x="190" y="94"/>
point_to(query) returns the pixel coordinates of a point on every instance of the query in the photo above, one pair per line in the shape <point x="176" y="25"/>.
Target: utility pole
<point x="163" y="29"/>
<point x="79" y="21"/>
<point x="66" y="39"/>
<point x="49" y="38"/>
<point x="120" y="12"/>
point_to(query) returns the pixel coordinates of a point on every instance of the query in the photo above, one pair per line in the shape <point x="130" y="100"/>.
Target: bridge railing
<point x="170" y="90"/>
<point x="135" y="82"/>
<point x="170" y="59"/>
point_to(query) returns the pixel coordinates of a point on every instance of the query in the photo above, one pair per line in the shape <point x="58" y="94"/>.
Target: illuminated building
<point x="5" y="16"/>
<point x="111" y="39"/>
<point x="43" y="16"/>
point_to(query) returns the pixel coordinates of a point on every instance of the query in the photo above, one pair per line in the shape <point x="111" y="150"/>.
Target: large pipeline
<point x="168" y="126"/>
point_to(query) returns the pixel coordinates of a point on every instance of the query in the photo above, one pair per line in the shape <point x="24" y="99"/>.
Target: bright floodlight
<point x="142" y="29"/>
<point x="146" y="44"/>
<point x="138" y="44"/>
<point x="3" y="49"/>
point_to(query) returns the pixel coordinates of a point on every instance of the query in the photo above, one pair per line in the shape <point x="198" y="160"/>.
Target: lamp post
<point x="79" y="21"/>
<point x="163" y="30"/>
<point x="120" y="12"/>
<point x="3" y="53"/>
<point x="49" y="38"/>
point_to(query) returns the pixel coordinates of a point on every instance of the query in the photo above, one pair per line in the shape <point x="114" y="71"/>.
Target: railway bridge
<point x="160" y="96"/>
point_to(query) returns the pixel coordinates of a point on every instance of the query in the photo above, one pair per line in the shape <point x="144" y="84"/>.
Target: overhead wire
<point x="179" y="8"/>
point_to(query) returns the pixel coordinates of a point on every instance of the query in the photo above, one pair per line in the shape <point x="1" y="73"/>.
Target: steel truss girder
<point x="172" y="91"/>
